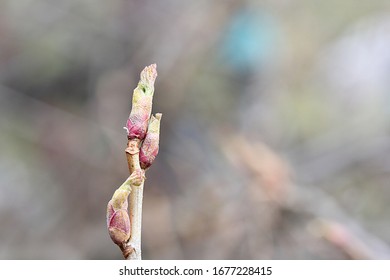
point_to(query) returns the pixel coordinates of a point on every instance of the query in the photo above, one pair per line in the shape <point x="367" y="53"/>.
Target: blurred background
<point x="275" y="135"/>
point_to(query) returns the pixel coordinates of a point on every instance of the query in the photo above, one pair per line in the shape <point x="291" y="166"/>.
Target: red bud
<point x="150" y="146"/>
<point x="119" y="226"/>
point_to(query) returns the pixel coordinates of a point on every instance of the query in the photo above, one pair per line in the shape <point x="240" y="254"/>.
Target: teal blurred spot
<point x="249" y="40"/>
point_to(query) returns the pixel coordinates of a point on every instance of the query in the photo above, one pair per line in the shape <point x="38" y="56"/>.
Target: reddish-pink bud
<point x="150" y="146"/>
<point x="118" y="224"/>
<point x="118" y="221"/>
<point x="137" y="126"/>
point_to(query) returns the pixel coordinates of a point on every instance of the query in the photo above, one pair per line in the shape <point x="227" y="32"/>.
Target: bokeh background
<point x="275" y="135"/>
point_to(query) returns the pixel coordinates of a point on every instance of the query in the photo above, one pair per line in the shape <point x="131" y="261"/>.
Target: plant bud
<point x="119" y="226"/>
<point x="118" y="221"/>
<point x="149" y="148"/>
<point x="137" y="123"/>
<point x="136" y="127"/>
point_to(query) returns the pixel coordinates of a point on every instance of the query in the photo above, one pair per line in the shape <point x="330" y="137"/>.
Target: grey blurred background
<point x="274" y="139"/>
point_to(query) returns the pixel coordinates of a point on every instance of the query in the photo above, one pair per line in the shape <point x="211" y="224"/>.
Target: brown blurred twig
<point x="268" y="171"/>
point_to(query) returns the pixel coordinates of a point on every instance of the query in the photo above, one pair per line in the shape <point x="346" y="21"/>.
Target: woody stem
<point x="132" y="249"/>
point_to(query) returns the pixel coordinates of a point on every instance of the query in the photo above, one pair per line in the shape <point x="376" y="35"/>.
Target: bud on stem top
<point x="137" y="123"/>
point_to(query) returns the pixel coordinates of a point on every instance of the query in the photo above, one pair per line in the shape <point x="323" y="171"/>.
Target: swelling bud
<point x="137" y="123"/>
<point x="119" y="227"/>
<point x="149" y="148"/>
<point x="118" y="221"/>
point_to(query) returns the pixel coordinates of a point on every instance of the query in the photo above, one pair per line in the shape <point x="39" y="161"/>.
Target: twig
<point x="132" y="249"/>
<point x="143" y="131"/>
